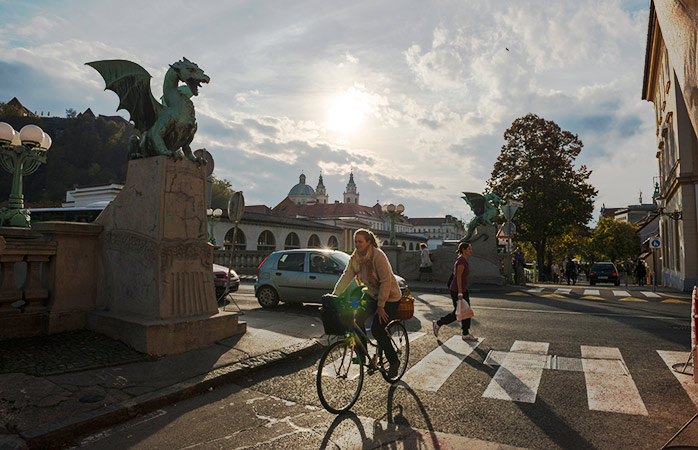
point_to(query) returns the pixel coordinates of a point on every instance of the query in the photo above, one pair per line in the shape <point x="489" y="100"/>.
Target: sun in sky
<point x="346" y="112"/>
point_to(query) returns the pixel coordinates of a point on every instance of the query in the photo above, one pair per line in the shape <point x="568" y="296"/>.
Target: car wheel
<point x="617" y="283"/>
<point x="267" y="297"/>
<point x="592" y="283"/>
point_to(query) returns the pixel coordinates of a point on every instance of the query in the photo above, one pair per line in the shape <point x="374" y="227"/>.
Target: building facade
<point x="669" y="83"/>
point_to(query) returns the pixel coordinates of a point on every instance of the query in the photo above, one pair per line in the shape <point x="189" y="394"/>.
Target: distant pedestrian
<point x="459" y="290"/>
<point x="554" y="269"/>
<point x="425" y="263"/>
<point x="571" y="271"/>
<point x="640" y="273"/>
<point x="519" y="262"/>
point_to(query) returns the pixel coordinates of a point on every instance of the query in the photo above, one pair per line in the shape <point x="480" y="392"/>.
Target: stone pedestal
<point x="484" y="261"/>
<point x="155" y="280"/>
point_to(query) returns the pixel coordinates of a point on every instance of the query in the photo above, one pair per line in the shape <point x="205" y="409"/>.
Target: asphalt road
<point x="586" y="370"/>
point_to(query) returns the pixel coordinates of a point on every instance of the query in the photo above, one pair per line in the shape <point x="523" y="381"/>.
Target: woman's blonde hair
<point x="463" y="246"/>
<point x="368" y="235"/>
<point x="422" y="245"/>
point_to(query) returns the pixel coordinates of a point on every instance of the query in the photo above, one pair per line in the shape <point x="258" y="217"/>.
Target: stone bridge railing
<point x="245" y="262"/>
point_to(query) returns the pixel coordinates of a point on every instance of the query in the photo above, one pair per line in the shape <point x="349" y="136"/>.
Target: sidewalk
<point x="56" y="388"/>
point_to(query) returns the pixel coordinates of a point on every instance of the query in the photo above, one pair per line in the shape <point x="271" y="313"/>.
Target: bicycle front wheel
<point x="339" y="377"/>
<point x="401" y="344"/>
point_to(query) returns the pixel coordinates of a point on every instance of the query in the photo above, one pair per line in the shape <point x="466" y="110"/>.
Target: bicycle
<point x="340" y="373"/>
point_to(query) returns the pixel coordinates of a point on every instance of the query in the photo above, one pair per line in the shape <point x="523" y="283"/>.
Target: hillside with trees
<point x="86" y="151"/>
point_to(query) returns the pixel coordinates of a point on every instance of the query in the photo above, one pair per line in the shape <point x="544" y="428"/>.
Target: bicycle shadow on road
<point x="365" y="432"/>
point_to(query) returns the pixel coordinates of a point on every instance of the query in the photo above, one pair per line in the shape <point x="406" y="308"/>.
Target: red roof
<point x="288" y="208"/>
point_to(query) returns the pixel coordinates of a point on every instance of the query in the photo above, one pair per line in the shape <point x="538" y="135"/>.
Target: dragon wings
<point x="131" y="83"/>
<point x="475" y="201"/>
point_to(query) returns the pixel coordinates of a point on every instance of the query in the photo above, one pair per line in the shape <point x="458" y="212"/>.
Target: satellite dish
<point x="236" y="206"/>
<point x="203" y="153"/>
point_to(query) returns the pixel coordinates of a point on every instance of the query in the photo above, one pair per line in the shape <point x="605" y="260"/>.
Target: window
<point x="333" y="243"/>
<point x="292" y="241"/>
<point x="294" y="262"/>
<point x="314" y="241"/>
<point x="240" y="241"/>
<point x="404" y="245"/>
<point x="411" y="246"/>
<point x="323" y="264"/>
<point x="266" y="241"/>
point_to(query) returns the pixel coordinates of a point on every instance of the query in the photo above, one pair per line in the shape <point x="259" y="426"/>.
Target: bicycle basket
<point x="405" y="309"/>
<point x="337" y="312"/>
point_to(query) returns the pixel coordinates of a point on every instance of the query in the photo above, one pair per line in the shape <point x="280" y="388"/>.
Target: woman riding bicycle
<point x="371" y="267"/>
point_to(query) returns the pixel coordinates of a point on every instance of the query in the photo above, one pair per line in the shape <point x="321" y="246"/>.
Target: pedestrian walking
<point x="640" y="272"/>
<point x="554" y="269"/>
<point x="425" y="263"/>
<point x="371" y="267"/>
<point x="459" y="290"/>
<point x="570" y="271"/>
<point x="519" y="262"/>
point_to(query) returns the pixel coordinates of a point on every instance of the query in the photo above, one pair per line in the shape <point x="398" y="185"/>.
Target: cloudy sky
<point x="414" y="96"/>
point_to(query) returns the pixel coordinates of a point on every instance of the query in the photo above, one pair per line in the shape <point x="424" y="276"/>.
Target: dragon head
<point x="189" y="73"/>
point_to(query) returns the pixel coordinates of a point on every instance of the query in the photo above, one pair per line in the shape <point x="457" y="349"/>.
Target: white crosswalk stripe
<point x="678" y="360"/>
<point x="591" y="292"/>
<point x="608" y="388"/>
<point x="621" y="293"/>
<point x="435" y="368"/>
<point x="563" y="291"/>
<point x="538" y="289"/>
<point x="650" y="294"/>
<point x="518" y="380"/>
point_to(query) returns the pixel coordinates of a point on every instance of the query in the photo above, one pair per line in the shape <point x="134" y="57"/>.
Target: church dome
<point x="301" y="189"/>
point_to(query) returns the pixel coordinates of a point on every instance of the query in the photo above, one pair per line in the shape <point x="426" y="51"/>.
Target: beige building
<point x="670" y="82"/>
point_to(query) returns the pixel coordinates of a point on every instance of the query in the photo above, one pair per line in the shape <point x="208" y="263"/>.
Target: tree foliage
<point x="613" y="240"/>
<point x="221" y="190"/>
<point x="535" y="167"/>
<point x="86" y="151"/>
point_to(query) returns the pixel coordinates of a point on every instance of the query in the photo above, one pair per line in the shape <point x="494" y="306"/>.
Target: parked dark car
<point x="302" y="275"/>
<point x="219" y="273"/>
<point x="604" y="272"/>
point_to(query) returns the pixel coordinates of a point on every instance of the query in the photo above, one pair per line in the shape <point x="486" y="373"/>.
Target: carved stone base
<point x="167" y="337"/>
<point x="156" y="265"/>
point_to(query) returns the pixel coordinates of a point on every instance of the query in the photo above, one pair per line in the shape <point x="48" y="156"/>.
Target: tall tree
<point x="535" y="167"/>
<point x="614" y="240"/>
<point x="221" y="190"/>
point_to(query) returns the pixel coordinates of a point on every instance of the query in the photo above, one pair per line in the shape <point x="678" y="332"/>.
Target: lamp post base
<point x="14" y="218"/>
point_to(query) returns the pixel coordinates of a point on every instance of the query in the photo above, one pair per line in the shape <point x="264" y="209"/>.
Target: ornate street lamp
<point x="214" y="215"/>
<point x="392" y="212"/>
<point x="20" y="154"/>
<point x="661" y="204"/>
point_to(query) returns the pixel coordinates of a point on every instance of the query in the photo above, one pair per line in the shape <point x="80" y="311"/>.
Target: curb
<point x="58" y="434"/>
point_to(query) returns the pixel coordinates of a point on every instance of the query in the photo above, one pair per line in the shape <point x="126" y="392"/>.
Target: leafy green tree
<point x="614" y="240"/>
<point x="221" y="190"/>
<point x="573" y="242"/>
<point x="535" y="167"/>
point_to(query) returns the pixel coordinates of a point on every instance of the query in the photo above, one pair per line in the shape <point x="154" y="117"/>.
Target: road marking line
<point x="538" y="289"/>
<point x="621" y="293"/>
<point x="632" y="299"/>
<point x="435" y="368"/>
<point x="563" y="291"/>
<point x="607" y="391"/>
<point x="591" y="292"/>
<point x="518" y="293"/>
<point x="516" y="383"/>
<point x="672" y="359"/>
<point x="553" y="296"/>
<point x="583" y="313"/>
<point x="651" y="294"/>
<point x="673" y="300"/>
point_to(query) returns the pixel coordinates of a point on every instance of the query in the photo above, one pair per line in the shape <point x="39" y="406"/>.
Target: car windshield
<point x="341" y="258"/>
<point x="602" y="267"/>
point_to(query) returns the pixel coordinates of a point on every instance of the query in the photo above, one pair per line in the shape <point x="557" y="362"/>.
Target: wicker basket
<point x="405" y="309"/>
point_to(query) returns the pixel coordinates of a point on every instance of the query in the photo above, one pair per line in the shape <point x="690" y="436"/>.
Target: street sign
<point x="236" y="206"/>
<point x="655" y="243"/>
<point x="507" y="230"/>
<point x="508" y="211"/>
<point x="203" y="153"/>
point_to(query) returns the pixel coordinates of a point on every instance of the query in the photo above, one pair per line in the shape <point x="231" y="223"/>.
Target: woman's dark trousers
<point x="379" y="332"/>
<point x="451" y="317"/>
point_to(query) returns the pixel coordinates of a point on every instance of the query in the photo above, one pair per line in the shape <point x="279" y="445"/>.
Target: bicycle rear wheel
<point x="339" y="379"/>
<point x="401" y="344"/>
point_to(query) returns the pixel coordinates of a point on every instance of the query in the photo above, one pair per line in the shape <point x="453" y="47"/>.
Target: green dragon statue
<point x="165" y="127"/>
<point x="485" y="207"/>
